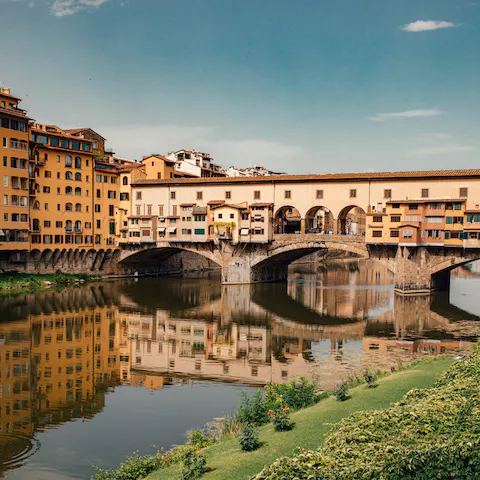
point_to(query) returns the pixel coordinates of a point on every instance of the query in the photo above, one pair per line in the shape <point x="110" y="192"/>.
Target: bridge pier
<point x="240" y="271"/>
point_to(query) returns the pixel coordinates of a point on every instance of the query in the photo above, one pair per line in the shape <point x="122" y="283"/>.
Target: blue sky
<point x="298" y="86"/>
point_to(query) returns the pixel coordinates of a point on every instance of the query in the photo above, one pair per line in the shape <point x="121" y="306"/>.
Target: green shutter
<point x="447" y="235"/>
<point x="449" y="220"/>
<point x="463" y="235"/>
<point x="470" y="218"/>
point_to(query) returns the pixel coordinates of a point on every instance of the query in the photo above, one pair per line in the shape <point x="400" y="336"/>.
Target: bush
<point x="431" y="434"/>
<point x="280" y="415"/>
<point x="369" y="379"/>
<point x="194" y="465"/>
<point x="297" y="394"/>
<point x="249" y="438"/>
<point x="341" y="393"/>
<point x="197" y="438"/>
<point x="134" y="466"/>
<point x="252" y="409"/>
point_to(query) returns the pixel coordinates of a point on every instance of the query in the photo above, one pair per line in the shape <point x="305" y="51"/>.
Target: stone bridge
<point x="416" y="269"/>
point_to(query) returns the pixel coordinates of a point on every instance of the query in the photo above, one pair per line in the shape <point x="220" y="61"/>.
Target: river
<point x="93" y="373"/>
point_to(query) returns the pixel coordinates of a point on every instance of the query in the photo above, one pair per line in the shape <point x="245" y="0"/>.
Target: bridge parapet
<point x="316" y="237"/>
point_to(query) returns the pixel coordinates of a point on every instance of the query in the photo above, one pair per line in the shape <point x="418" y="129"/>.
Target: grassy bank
<point x="226" y="460"/>
<point x="20" y="282"/>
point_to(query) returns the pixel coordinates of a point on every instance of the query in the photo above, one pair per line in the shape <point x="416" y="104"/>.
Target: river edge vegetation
<point x="219" y="441"/>
<point x="14" y="283"/>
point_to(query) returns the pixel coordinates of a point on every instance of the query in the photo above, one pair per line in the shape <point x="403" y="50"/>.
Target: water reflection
<point x="61" y="353"/>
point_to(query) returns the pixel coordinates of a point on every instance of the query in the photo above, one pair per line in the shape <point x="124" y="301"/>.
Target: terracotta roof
<point x="76" y="131"/>
<point x="14" y="113"/>
<point x="3" y="93"/>
<point x="161" y="157"/>
<point x="428" y="200"/>
<point x="183" y="174"/>
<point x="187" y="204"/>
<point x="216" y="202"/>
<point x="260" y="204"/>
<point x="173" y="216"/>
<point x="228" y="205"/>
<point x="332" y="177"/>
<point x="472" y="210"/>
<point x="141" y="216"/>
<point x="128" y="168"/>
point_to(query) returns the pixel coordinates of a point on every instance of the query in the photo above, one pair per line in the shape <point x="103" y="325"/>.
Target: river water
<point x="91" y="374"/>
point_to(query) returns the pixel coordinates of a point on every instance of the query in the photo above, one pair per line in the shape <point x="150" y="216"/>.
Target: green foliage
<point x="194" y="465"/>
<point x="249" y="438"/>
<point x="135" y="466"/>
<point x="429" y="434"/>
<point x="341" y="393"/>
<point x="198" y="438"/>
<point x="280" y="415"/>
<point x="297" y="394"/>
<point x="252" y="409"/>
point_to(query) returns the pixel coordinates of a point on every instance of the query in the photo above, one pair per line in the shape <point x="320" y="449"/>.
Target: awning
<point x="172" y="229"/>
<point x="161" y="229"/>
<point x="244" y="231"/>
<point x="2" y="233"/>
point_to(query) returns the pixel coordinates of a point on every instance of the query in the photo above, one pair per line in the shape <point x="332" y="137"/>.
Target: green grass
<point x="226" y="461"/>
<point x="15" y="282"/>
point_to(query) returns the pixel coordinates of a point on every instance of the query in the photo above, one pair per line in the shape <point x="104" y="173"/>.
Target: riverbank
<point x="14" y="283"/>
<point x="226" y="460"/>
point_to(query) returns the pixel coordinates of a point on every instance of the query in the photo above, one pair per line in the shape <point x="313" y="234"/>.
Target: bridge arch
<point x="287" y="219"/>
<point x="351" y="220"/>
<point x="319" y="219"/>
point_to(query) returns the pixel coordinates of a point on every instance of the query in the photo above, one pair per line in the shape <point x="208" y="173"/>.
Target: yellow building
<point x="14" y="184"/>
<point x="158" y="167"/>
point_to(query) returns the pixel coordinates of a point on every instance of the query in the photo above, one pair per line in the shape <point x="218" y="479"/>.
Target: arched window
<point x="78" y="191"/>
<point x="36" y="205"/>
<point x="68" y="226"/>
<point x="68" y="161"/>
<point x="68" y="191"/>
<point x="125" y="180"/>
<point x="78" y="162"/>
<point x="68" y="175"/>
<point x="78" y="226"/>
<point x="68" y="207"/>
<point x="78" y="177"/>
<point x="78" y="207"/>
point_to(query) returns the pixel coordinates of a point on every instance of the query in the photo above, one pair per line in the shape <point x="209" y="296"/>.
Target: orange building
<point x="14" y="185"/>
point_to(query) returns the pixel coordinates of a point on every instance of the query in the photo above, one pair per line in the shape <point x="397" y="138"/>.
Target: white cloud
<point x="383" y="117"/>
<point x="427" y="25"/>
<point x="134" y="141"/>
<point x="429" y="137"/>
<point x="441" y="150"/>
<point x="64" y="8"/>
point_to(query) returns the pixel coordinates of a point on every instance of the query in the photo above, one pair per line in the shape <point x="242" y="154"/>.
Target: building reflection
<point x="61" y="352"/>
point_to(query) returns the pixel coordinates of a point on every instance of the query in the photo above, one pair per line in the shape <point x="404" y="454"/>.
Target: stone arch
<point x="287" y="219"/>
<point x="351" y="220"/>
<point x="319" y="219"/>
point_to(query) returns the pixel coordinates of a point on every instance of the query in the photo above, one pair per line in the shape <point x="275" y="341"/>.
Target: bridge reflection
<point x="60" y="352"/>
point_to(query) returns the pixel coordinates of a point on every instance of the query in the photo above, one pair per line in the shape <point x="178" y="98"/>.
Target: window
<point x="75" y="145"/>
<point x="256" y="194"/>
<point x="68" y="207"/>
<point x="139" y="195"/>
<point x="463" y="192"/>
<point x="111" y="228"/>
<point x="425" y="192"/>
<point x="394" y="233"/>
<point x="125" y="180"/>
<point x="149" y="209"/>
<point x="58" y="224"/>
<point x="408" y="233"/>
<point x="78" y="162"/>
<point x="378" y="219"/>
<point x="199" y="231"/>
<point x="173" y="195"/>
<point x="288" y="194"/>
<point x="124" y="196"/>
<point x="377" y="233"/>
<point x="85" y="147"/>
<point x="98" y="178"/>
<point x="68" y="176"/>
<point x="54" y="142"/>
<point x="112" y="194"/>
<point x="78" y="207"/>
<point x="319" y="194"/>
<point x="387" y="193"/>
<point x="413" y="206"/>
<point x="68" y="161"/>
<point x="78" y="177"/>
<point x="160" y="210"/>
<point x="232" y="215"/>
<point x="435" y="220"/>
<point x="353" y="193"/>
<point x="137" y="209"/>
<point x="111" y="210"/>
<point x="457" y="206"/>
<point x="395" y="218"/>
<point x="97" y="208"/>
<point x="395" y="205"/>
<point x="68" y="191"/>
<point x="78" y="191"/>
<point x="228" y="195"/>
<point x="220" y="215"/>
<point x="199" y="195"/>
<point x="46" y="189"/>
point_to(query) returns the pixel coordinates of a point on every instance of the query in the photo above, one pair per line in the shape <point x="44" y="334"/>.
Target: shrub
<point x="369" y="379"/>
<point x="297" y="394"/>
<point x="194" y="465"/>
<point x="252" y="409"/>
<point x="198" y="438"/>
<point x="249" y="438"/>
<point x="431" y="434"/>
<point x="341" y="393"/>
<point x="134" y="466"/>
<point x="280" y="415"/>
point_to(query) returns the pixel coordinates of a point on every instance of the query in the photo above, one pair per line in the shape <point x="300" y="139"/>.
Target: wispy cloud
<point x="64" y="8"/>
<point x="432" y="136"/>
<point x="383" y="117"/>
<point x="441" y="150"/>
<point x="427" y="25"/>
